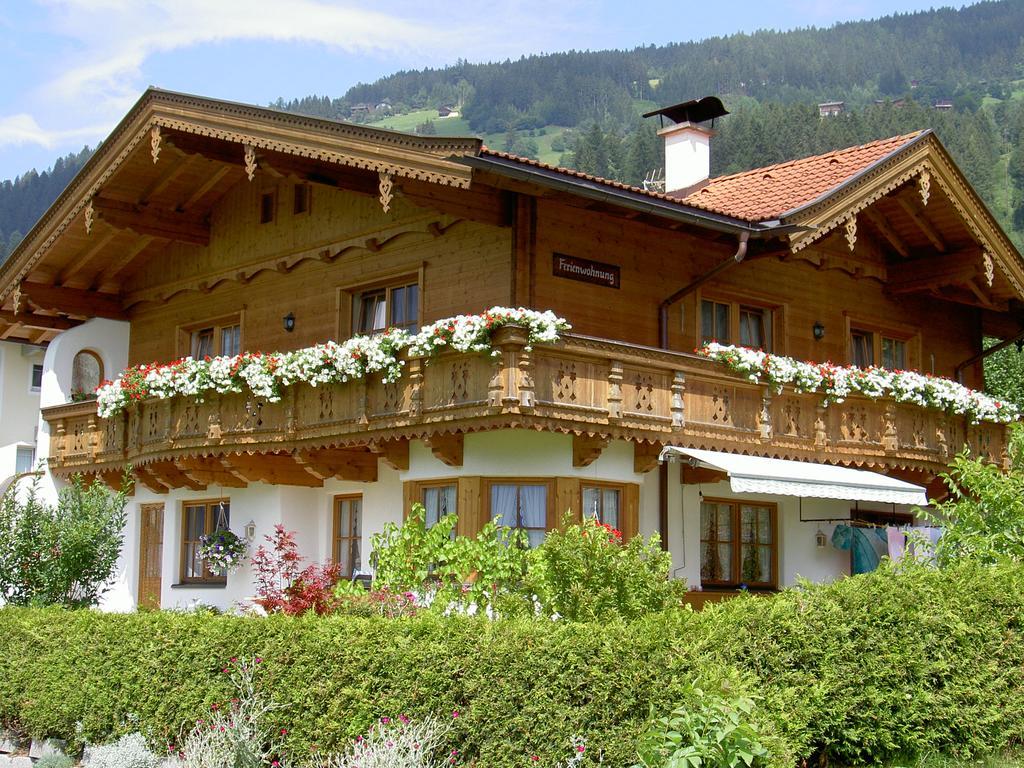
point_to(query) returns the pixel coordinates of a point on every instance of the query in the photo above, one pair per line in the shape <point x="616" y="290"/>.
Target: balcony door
<point x="151" y="545"/>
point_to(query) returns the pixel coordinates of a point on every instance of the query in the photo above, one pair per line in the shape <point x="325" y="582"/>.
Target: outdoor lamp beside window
<point x="820" y="539"/>
<point x="250" y="530"/>
<point x="818" y="330"/>
<point x="289" y="322"/>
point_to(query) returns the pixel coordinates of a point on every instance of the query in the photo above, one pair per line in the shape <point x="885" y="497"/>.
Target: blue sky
<point x="72" y="68"/>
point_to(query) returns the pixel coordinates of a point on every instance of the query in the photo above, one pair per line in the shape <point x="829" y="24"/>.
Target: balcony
<point x="595" y="389"/>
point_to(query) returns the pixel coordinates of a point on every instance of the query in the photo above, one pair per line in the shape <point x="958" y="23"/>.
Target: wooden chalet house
<point x="202" y="227"/>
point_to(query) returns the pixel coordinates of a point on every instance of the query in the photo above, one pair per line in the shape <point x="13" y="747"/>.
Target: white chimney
<point x="687" y="155"/>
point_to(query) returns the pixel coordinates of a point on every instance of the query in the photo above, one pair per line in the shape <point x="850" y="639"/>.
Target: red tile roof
<point x="762" y="194"/>
<point x="767" y="193"/>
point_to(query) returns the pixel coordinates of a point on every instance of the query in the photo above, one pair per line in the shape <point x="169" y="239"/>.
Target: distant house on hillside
<point x="447" y="111"/>
<point x="831" y="108"/>
<point x="360" y="109"/>
<point x="382" y="107"/>
<point x="943" y="106"/>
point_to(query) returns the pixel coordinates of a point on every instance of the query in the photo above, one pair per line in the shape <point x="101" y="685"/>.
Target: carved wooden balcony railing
<point x="595" y="389"/>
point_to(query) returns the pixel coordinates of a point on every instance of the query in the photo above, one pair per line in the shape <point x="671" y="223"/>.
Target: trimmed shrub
<point x="897" y="662"/>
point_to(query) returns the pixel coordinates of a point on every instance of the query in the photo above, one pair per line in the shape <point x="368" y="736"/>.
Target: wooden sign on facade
<point x="585" y="270"/>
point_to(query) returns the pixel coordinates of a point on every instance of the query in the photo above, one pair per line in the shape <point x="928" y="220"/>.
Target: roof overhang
<point x="250" y="129"/>
<point x="782" y="477"/>
<point x="924" y="162"/>
<point x="626" y="198"/>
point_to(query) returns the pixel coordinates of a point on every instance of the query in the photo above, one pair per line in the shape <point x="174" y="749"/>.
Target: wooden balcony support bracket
<point x="587" y="448"/>
<point x="113" y="480"/>
<point x="394" y="453"/>
<point x="645" y="456"/>
<point x="352" y="464"/>
<point x="272" y="468"/>
<point x="149" y="480"/>
<point x="820" y="426"/>
<point x="167" y="474"/>
<point x="209" y="471"/>
<point x="526" y="383"/>
<point x="448" y="448"/>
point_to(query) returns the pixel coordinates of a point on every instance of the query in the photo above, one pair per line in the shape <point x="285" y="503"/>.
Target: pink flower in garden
<point x="455" y="713"/>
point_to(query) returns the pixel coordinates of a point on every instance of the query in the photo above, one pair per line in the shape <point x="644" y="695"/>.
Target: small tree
<point x="983" y="517"/>
<point x="64" y="554"/>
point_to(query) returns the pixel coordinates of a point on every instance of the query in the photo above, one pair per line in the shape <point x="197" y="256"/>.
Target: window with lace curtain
<point x="221" y="337"/>
<point x="738" y="544"/>
<point x="521" y="504"/>
<point x="869" y="348"/>
<point x="348" y="533"/>
<point x="393" y="306"/>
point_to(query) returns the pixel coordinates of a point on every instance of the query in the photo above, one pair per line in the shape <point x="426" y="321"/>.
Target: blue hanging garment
<point x="867" y="546"/>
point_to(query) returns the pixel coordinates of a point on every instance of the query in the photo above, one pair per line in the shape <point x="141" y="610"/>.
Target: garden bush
<point x="901" y="661"/>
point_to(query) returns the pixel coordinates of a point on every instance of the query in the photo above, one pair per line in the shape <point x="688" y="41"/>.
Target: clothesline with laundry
<point x="869" y="543"/>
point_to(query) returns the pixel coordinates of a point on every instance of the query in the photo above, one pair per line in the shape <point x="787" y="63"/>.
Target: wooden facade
<point x="199" y="213"/>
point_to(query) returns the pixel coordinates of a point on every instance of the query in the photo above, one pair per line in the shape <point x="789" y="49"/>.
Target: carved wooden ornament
<point x="250" y="161"/>
<point x="90" y="217"/>
<point x="386" y="191"/>
<point x="924" y="186"/>
<point x="154" y="142"/>
<point x="16" y="297"/>
<point x="851" y="232"/>
<point x="990" y="268"/>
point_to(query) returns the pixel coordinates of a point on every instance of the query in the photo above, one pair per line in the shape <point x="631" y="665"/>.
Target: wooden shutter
<point x="472" y="510"/>
<point x="630" y="522"/>
<point x="410" y="495"/>
<point x="151" y="539"/>
<point x="567" y="499"/>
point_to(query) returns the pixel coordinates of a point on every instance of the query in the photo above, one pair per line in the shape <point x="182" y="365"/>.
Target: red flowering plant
<point x="283" y="586"/>
<point x="586" y="572"/>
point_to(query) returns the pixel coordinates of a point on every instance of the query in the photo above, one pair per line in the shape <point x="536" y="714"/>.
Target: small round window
<point x="86" y="374"/>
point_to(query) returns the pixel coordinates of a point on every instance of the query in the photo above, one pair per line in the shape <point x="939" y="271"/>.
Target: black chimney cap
<point x="695" y="111"/>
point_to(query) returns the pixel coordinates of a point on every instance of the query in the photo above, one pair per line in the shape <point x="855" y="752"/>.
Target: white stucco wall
<point x="19" y="403"/>
<point x="108" y="340"/>
<point x="511" y="453"/>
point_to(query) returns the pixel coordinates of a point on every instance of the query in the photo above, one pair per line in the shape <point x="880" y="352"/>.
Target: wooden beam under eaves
<point x="928" y="273"/>
<point x="73" y="301"/>
<point x="879" y="223"/>
<point x="41" y="322"/>
<point x="170" y="225"/>
<point x="922" y="223"/>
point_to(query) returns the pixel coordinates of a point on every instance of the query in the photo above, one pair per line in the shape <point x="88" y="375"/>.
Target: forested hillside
<point x="24" y="199"/>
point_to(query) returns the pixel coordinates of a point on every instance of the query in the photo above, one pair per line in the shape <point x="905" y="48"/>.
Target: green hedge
<point x="873" y="666"/>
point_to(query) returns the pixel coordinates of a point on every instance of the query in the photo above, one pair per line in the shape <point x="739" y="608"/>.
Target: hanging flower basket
<point x="223" y="551"/>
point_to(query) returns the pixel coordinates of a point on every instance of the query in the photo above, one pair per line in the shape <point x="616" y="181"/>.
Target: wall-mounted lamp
<point x="289" y="322"/>
<point x="820" y="541"/>
<point x="818" y="330"/>
<point x="250" y="530"/>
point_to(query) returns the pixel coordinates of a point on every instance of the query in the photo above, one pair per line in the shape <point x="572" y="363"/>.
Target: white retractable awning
<point x="757" y="474"/>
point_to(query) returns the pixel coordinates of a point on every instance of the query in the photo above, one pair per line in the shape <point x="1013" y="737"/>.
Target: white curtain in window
<point x="610" y="507"/>
<point x="592" y="502"/>
<point x="503" y="504"/>
<point x="533" y="511"/>
<point x="439" y="501"/>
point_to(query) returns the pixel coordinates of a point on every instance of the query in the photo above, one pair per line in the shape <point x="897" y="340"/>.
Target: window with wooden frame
<point x="346" y="539"/>
<point x="524" y="504"/>
<point x="198" y="519"/>
<point x="268" y="206"/>
<point x="603" y="502"/>
<point x="212" y="338"/>
<point x="738" y="544"/>
<point x="872" y="345"/>
<point x="390" y="306"/>
<point x="301" y="197"/>
<point x="746" y="323"/>
<point x="439" y="499"/>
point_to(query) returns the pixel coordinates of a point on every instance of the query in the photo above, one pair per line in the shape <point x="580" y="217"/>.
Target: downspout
<point x="959" y="370"/>
<point x="741" y="253"/>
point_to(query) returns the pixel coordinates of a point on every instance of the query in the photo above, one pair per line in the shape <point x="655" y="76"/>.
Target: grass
<point x="447" y="126"/>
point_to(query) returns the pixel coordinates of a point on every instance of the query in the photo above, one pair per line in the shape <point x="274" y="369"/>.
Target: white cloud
<point x="22" y="129"/>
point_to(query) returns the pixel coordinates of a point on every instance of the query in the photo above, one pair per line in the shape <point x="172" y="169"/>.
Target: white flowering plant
<point x="837" y="382"/>
<point x="264" y="375"/>
<point x="222" y="551"/>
